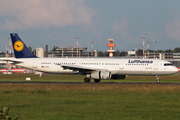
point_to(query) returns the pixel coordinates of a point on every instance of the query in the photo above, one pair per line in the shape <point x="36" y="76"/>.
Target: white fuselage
<point x="115" y="66"/>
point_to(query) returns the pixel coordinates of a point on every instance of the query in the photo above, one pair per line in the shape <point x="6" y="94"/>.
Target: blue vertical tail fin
<point x="20" y="49"/>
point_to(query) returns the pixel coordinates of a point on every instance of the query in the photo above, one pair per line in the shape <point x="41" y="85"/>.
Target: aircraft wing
<point x="81" y="69"/>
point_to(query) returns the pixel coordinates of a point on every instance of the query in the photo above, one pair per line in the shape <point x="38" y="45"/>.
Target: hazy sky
<point x="126" y="21"/>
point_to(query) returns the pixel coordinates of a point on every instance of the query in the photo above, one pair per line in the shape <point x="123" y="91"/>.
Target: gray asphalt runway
<point x="25" y="82"/>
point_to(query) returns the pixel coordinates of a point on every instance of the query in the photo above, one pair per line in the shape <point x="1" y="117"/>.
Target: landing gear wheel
<point x="157" y="81"/>
<point x="86" y="80"/>
<point x="97" y="80"/>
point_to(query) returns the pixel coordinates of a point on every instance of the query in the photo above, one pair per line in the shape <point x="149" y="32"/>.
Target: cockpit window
<point x="167" y="64"/>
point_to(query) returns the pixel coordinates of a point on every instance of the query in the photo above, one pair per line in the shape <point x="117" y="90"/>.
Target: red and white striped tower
<point x="92" y="49"/>
<point x="9" y="54"/>
<point x="110" y="45"/>
<point x="77" y="46"/>
<point x="135" y="51"/>
<point x="9" y="46"/>
<point x="148" y="48"/>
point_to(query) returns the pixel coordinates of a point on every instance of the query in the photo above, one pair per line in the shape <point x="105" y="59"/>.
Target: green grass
<point x="90" y="101"/>
<point x="87" y="101"/>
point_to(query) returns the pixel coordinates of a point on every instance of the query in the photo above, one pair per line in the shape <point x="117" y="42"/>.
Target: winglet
<point x="20" y="49"/>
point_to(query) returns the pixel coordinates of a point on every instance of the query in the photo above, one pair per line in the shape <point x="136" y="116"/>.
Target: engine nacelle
<point x="104" y="75"/>
<point x="118" y="76"/>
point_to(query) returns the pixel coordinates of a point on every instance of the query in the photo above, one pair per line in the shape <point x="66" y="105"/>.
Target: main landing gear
<point x="86" y="80"/>
<point x="157" y="81"/>
<point x="97" y="80"/>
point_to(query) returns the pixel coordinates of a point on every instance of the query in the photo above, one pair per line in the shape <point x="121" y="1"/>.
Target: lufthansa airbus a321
<point x="95" y="68"/>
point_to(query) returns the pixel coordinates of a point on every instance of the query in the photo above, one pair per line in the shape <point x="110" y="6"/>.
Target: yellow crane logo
<point x="18" y="46"/>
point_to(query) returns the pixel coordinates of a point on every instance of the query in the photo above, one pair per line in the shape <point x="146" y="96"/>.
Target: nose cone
<point x="175" y="69"/>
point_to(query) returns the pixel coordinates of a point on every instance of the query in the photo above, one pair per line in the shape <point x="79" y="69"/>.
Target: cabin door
<point x="121" y="65"/>
<point x="34" y="64"/>
<point x="156" y="65"/>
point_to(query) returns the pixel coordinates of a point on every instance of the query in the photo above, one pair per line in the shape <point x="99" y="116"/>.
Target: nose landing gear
<point x="157" y="81"/>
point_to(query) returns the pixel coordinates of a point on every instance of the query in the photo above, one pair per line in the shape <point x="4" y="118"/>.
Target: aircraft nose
<point x="175" y="69"/>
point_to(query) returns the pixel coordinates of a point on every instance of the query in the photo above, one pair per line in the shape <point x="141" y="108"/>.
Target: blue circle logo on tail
<point x="18" y="46"/>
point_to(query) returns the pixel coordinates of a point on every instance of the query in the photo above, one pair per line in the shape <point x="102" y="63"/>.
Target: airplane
<point x="94" y="68"/>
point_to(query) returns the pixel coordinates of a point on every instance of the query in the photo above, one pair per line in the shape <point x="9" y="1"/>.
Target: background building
<point x="72" y="52"/>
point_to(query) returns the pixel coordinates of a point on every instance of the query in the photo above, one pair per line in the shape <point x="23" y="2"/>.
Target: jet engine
<point x="101" y="75"/>
<point x="118" y="76"/>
